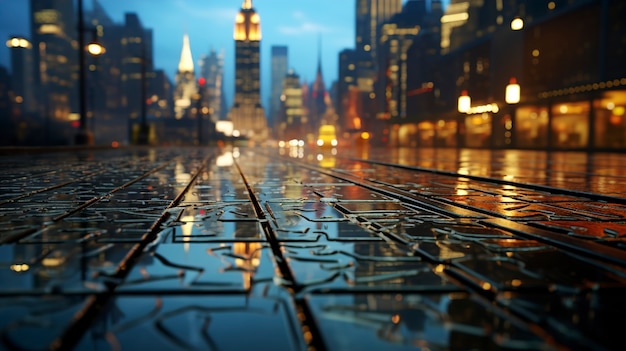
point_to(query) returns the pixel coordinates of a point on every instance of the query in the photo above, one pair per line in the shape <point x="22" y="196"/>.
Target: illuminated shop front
<point x="610" y="121"/>
<point x="531" y="127"/>
<point x="585" y="123"/>
<point x="570" y="125"/>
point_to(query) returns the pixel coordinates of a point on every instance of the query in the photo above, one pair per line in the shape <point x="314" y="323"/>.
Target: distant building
<point x="21" y="51"/>
<point x="396" y="37"/>
<point x="318" y="99"/>
<point x="247" y="113"/>
<point x="136" y="70"/>
<point x="212" y="70"/>
<point x="8" y="128"/>
<point x="185" y="82"/>
<point x="53" y="30"/>
<point x="292" y="120"/>
<point x="280" y="63"/>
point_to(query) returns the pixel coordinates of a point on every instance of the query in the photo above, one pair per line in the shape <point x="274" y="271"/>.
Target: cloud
<point x="303" y="26"/>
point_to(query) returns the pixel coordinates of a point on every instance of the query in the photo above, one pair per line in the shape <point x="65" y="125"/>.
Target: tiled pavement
<point x="256" y="249"/>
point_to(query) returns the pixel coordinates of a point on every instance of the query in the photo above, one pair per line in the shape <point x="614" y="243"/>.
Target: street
<point x="271" y="248"/>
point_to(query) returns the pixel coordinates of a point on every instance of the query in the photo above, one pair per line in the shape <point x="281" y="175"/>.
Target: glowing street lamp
<point x="95" y="48"/>
<point x="84" y="137"/>
<point x="512" y="93"/>
<point x="517" y="24"/>
<point x="465" y="102"/>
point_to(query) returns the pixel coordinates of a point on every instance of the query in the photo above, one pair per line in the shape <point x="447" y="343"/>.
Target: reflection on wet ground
<point x="233" y="249"/>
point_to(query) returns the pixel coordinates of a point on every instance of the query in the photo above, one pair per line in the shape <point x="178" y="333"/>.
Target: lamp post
<point x="84" y="137"/>
<point x="144" y="130"/>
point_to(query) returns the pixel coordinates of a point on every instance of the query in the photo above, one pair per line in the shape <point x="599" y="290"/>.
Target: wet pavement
<point x="291" y="249"/>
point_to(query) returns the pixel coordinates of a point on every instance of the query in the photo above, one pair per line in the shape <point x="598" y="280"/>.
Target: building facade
<point x="563" y="56"/>
<point x="280" y="64"/>
<point x="247" y="113"/>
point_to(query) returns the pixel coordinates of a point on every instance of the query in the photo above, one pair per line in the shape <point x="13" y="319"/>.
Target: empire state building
<point x="247" y="114"/>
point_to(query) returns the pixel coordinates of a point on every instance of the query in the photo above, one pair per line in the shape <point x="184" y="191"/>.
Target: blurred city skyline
<point x="299" y="25"/>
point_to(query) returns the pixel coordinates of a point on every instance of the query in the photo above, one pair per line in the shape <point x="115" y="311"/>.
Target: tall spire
<point x="319" y="55"/>
<point x="186" y="60"/>
<point x="247" y="4"/>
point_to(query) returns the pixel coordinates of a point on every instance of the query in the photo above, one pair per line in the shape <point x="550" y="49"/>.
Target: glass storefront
<point x="610" y="121"/>
<point x="446" y="133"/>
<point x="570" y="125"/>
<point x="478" y="130"/>
<point x="531" y="127"/>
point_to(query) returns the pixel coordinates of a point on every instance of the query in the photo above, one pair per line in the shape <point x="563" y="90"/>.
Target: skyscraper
<point x="212" y="71"/>
<point x="137" y="65"/>
<point x="290" y="125"/>
<point x="23" y="77"/>
<point x="53" y="28"/>
<point x="186" y="85"/>
<point x="247" y="112"/>
<point x="279" y="71"/>
<point x="370" y="16"/>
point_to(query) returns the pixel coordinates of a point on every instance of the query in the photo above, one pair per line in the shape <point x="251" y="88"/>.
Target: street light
<point x="84" y="137"/>
<point x="517" y="24"/>
<point x="512" y="93"/>
<point x="465" y="102"/>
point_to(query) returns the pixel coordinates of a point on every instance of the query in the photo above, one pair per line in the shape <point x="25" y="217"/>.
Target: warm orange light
<point x="365" y="136"/>
<point x="95" y="49"/>
<point x="512" y="94"/>
<point x="517" y="24"/>
<point x="465" y="102"/>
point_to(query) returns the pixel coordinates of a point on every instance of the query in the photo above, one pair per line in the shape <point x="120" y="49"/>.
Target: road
<point x="297" y="249"/>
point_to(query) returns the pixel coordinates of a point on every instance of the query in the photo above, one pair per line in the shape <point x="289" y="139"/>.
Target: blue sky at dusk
<point x="297" y="24"/>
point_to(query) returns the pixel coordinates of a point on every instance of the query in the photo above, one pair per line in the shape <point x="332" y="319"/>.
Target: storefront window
<point x="531" y="127"/>
<point x="408" y="135"/>
<point x="446" y="133"/>
<point x="610" y="120"/>
<point x="570" y="125"/>
<point x="426" y="134"/>
<point x="478" y="130"/>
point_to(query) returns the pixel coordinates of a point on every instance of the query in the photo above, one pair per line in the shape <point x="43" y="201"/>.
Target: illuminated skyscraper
<point x="53" y="28"/>
<point x="370" y="16"/>
<point x="293" y="118"/>
<point x="186" y="85"/>
<point x="247" y="113"/>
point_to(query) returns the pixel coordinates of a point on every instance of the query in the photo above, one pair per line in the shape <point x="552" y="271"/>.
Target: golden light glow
<point x="18" y="43"/>
<point x="53" y="261"/>
<point x="457" y="17"/>
<point x="20" y="267"/>
<point x="517" y="24"/>
<point x="465" y="102"/>
<point x="50" y="29"/>
<point x="95" y="49"/>
<point x="512" y="94"/>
